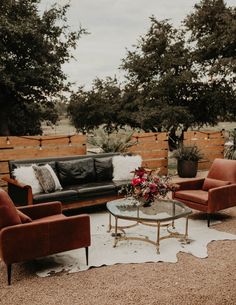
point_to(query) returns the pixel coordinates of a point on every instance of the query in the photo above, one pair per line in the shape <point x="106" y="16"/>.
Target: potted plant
<point x="187" y="160"/>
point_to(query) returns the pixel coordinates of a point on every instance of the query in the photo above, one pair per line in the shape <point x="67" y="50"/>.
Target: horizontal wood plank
<point x="46" y="140"/>
<point x="4" y="168"/>
<point x="204" y="165"/>
<point x="195" y="135"/>
<point x="159" y="154"/>
<point x="205" y="142"/>
<point x="213" y="156"/>
<point x="57" y="151"/>
<point x="150" y="136"/>
<point x="148" y="146"/>
<point x="154" y="164"/>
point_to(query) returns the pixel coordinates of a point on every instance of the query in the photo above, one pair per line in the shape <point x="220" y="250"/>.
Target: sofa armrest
<point x="20" y="193"/>
<point x="31" y="240"/>
<point x="195" y="184"/>
<point x="220" y="198"/>
<point x="42" y="209"/>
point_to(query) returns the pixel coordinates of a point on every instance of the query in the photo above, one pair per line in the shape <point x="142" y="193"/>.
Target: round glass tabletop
<point x="160" y="210"/>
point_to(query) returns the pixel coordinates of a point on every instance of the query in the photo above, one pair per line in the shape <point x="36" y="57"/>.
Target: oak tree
<point x="33" y="48"/>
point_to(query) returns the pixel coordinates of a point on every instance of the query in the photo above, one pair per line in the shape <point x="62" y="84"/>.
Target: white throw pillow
<point x="124" y="165"/>
<point x="55" y="178"/>
<point x="26" y="175"/>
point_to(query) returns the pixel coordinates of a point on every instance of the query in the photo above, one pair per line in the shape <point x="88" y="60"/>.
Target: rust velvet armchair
<point x="39" y="230"/>
<point x="214" y="193"/>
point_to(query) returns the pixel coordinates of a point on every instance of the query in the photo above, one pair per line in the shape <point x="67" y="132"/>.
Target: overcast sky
<point x="114" y="26"/>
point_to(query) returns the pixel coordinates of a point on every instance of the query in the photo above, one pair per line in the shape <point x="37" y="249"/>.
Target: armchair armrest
<point x="42" y="209"/>
<point x="20" y="193"/>
<point x="31" y="240"/>
<point x="69" y="233"/>
<point x="221" y="198"/>
<point x="195" y="184"/>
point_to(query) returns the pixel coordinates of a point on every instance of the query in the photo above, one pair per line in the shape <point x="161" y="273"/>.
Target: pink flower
<point x="153" y="188"/>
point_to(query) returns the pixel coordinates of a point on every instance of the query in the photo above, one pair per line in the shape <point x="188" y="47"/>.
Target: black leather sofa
<point x="94" y="186"/>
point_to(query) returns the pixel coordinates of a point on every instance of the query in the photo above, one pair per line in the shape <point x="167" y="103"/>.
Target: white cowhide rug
<point x="102" y="252"/>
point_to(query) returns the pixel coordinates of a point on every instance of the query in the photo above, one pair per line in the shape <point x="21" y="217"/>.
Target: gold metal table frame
<point x="170" y="228"/>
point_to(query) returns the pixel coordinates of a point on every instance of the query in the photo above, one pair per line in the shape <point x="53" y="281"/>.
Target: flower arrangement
<point x="147" y="185"/>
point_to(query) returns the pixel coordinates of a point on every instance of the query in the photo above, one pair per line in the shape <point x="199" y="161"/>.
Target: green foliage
<point x="175" y="78"/>
<point x="115" y="142"/>
<point x="98" y="106"/>
<point x="33" y="48"/>
<point x="159" y="79"/>
<point x="212" y="27"/>
<point x="192" y="153"/>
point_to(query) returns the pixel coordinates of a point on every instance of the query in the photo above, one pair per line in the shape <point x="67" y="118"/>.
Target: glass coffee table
<point x="162" y="213"/>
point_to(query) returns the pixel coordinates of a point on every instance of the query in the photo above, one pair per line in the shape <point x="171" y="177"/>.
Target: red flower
<point x="140" y="172"/>
<point x="136" y="181"/>
<point x="148" y="185"/>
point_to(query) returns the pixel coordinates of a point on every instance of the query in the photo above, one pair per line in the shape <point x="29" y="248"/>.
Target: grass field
<point x="64" y="127"/>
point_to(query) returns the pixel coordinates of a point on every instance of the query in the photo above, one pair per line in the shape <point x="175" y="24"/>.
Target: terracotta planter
<point x="187" y="168"/>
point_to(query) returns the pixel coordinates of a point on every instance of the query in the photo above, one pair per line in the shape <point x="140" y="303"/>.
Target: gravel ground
<point x="190" y="281"/>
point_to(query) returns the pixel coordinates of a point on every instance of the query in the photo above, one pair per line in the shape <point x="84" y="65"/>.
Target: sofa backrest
<point x="223" y="169"/>
<point x="52" y="160"/>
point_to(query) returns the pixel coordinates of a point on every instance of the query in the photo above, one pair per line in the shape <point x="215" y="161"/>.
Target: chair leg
<point x="86" y="252"/>
<point x="9" y="274"/>
<point x="208" y="219"/>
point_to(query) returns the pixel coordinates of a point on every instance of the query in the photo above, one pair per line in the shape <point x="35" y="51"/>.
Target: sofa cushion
<point x="63" y="196"/>
<point x="119" y="183"/>
<point x="210" y="183"/>
<point x="8" y="211"/>
<point x="76" y="171"/>
<point x="103" y="169"/>
<point x="124" y="166"/>
<point x="45" y="178"/>
<point x="197" y="196"/>
<point x="26" y="175"/>
<point x="93" y="189"/>
<point x="54" y="176"/>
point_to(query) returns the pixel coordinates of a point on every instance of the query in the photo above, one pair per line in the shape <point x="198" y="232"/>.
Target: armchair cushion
<point x="50" y="218"/>
<point x="24" y="218"/>
<point x="210" y="183"/>
<point x="8" y="212"/>
<point x="41" y="210"/>
<point x="197" y="196"/>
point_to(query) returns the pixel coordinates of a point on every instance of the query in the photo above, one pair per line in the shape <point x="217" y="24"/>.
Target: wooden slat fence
<point x="153" y="147"/>
<point x="210" y="143"/>
<point x="38" y="147"/>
